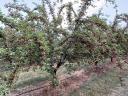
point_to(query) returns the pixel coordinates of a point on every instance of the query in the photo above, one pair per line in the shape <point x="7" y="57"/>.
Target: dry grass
<point x="105" y="85"/>
<point x="30" y="78"/>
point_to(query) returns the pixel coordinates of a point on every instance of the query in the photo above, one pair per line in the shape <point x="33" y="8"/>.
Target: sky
<point x="122" y="8"/>
<point x="108" y="10"/>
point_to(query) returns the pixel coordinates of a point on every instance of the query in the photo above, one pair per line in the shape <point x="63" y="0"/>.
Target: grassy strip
<point x="99" y="85"/>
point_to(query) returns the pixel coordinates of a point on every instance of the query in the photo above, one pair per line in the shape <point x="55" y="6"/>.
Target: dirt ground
<point x="69" y="83"/>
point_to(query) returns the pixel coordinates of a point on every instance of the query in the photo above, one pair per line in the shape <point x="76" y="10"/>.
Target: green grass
<point x="30" y="78"/>
<point x="30" y="82"/>
<point x="98" y="86"/>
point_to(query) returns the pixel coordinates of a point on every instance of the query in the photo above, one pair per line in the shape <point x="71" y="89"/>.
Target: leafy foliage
<point x="3" y="89"/>
<point x="37" y="37"/>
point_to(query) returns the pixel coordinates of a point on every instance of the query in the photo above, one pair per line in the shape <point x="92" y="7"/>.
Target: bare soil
<point x="67" y="83"/>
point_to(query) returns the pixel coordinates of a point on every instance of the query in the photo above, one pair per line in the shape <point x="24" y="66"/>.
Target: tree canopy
<point x="36" y="37"/>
